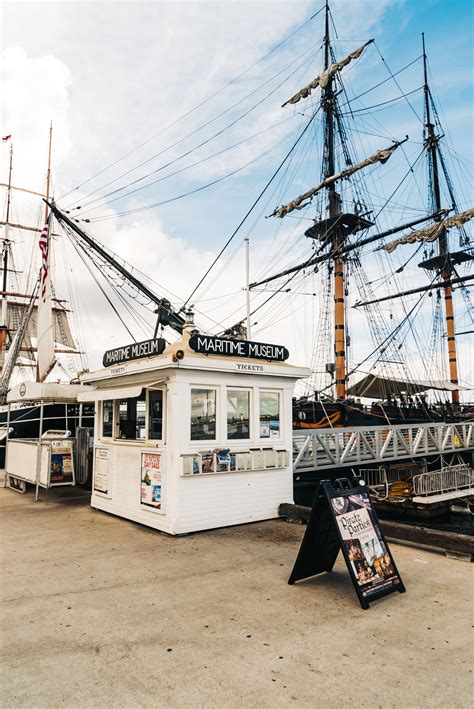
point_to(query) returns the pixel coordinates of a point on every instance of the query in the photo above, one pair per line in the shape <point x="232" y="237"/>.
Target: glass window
<point x="107" y="418"/>
<point x="269" y="414"/>
<point x="238" y="406"/>
<point x="132" y="416"/>
<point x="203" y="414"/>
<point x="155" y="414"/>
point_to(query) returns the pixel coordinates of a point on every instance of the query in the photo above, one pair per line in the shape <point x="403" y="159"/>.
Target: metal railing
<point x="321" y="449"/>
<point x="449" y="479"/>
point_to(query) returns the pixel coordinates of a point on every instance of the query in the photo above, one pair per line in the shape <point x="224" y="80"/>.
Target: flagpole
<point x="45" y="272"/>
<point x="48" y="173"/>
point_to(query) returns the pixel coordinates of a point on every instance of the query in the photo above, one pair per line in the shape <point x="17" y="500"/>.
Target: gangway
<point x="321" y="449"/>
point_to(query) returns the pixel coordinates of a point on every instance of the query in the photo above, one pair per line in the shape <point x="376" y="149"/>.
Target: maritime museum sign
<point x="147" y="348"/>
<point x="205" y="344"/>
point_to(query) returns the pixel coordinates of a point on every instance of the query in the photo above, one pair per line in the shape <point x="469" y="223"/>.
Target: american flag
<point x="44" y="248"/>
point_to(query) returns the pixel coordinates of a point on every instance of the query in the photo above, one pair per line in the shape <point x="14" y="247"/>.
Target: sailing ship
<point x="339" y="232"/>
<point x="35" y="330"/>
<point x="343" y="224"/>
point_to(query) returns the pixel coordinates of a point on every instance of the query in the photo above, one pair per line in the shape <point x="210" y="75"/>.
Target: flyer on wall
<point x="151" y="483"/>
<point x="371" y="561"/>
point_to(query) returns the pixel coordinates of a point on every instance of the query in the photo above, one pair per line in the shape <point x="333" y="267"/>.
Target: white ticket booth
<point x="195" y="435"/>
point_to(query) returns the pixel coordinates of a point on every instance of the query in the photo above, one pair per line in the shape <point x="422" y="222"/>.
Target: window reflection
<point x="203" y="414"/>
<point x="269" y="414"/>
<point x="238" y="405"/>
<point x="107" y="418"/>
<point x="155" y="414"/>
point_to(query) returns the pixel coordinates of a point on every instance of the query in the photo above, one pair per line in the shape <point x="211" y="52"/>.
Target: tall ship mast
<point x="444" y="265"/>
<point x="23" y="314"/>
<point x="339" y="244"/>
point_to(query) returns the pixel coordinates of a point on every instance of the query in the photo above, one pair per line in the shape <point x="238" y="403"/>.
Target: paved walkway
<point x="99" y="612"/>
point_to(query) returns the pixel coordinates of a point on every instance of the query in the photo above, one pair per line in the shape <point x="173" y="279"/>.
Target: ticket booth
<point x="195" y="435"/>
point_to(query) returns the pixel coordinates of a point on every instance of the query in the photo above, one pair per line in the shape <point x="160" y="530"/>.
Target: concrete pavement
<point x="100" y="612"/>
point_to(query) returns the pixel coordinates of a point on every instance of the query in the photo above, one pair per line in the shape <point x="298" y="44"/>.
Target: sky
<point x="154" y="87"/>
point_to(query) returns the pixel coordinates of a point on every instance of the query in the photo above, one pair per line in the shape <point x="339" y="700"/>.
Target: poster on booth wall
<point x="151" y="482"/>
<point x="101" y="471"/>
<point x="61" y="465"/>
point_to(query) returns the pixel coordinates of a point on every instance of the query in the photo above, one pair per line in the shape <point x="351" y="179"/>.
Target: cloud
<point x="35" y="92"/>
<point x="116" y="73"/>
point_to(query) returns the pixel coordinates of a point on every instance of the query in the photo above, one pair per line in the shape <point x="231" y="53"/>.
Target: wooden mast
<point x="431" y="143"/>
<point x="334" y="211"/>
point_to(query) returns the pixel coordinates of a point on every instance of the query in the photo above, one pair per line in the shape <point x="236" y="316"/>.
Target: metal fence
<point x="449" y="479"/>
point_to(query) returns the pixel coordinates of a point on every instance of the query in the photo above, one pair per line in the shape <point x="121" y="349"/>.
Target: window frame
<point x="101" y="420"/>
<point x="163" y="417"/>
<point x="117" y="437"/>
<point x="116" y="420"/>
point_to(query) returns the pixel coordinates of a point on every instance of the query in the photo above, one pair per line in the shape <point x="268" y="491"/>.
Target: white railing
<point x="449" y="479"/>
<point x="320" y="449"/>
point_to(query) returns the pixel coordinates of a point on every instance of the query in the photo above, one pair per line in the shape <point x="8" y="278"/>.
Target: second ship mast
<point x="446" y="269"/>
<point x="334" y="210"/>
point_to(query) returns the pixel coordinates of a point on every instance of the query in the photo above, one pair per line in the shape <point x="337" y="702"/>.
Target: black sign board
<point x="343" y="518"/>
<point x="205" y="344"/>
<point x="147" y="348"/>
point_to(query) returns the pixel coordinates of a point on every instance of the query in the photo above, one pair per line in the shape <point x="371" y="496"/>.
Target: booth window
<point x="107" y="418"/>
<point x="238" y="419"/>
<point x="203" y="414"/>
<point x="269" y="414"/>
<point x="132" y="417"/>
<point x="155" y="414"/>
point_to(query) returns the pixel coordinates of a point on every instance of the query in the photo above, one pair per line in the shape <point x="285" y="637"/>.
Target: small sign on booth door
<point x="151" y="488"/>
<point x="102" y="471"/>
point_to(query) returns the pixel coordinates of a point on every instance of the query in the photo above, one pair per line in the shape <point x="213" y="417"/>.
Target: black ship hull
<point x="312" y="414"/>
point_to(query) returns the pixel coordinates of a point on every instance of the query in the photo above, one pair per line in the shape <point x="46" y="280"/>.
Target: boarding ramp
<point x="322" y="449"/>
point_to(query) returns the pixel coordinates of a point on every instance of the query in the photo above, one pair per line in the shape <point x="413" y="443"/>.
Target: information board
<point x="101" y="471"/>
<point x="343" y="518"/>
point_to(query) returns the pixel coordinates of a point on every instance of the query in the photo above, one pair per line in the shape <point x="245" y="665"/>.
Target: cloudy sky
<point x="159" y="99"/>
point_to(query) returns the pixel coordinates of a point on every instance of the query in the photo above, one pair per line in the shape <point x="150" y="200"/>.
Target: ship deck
<point x="98" y="611"/>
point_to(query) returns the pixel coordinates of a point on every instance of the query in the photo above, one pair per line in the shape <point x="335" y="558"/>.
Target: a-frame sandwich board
<point x="343" y="518"/>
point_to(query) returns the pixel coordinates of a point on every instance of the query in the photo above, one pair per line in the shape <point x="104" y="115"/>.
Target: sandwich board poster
<point x="62" y="470"/>
<point x="151" y="481"/>
<point x="343" y="518"/>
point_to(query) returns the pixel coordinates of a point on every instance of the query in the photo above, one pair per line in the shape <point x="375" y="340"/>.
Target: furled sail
<point x="61" y="327"/>
<point x="45" y="333"/>
<point x="323" y="79"/>
<point x="300" y="202"/>
<point x="432" y="232"/>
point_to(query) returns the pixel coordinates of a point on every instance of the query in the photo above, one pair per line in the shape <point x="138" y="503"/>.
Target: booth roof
<point x="45" y="391"/>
